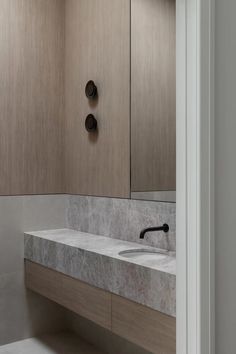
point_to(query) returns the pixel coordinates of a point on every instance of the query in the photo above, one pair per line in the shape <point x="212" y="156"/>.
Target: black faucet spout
<point x="164" y="228"/>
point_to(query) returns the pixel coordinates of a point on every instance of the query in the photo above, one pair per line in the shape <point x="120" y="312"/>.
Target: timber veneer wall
<point x="98" y="48"/>
<point x="32" y="96"/>
<point x="32" y="105"/>
<point x="49" y="49"/>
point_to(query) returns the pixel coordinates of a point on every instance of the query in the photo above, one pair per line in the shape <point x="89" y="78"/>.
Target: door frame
<point x="195" y="176"/>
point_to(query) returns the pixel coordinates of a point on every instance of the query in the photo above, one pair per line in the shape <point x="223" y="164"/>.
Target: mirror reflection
<point x="153" y="100"/>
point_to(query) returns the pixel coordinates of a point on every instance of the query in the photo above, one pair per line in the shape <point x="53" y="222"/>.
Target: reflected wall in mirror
<point x="153" y="100"/>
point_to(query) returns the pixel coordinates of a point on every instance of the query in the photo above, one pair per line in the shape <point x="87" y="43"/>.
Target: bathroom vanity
<point x="122" y="286"/>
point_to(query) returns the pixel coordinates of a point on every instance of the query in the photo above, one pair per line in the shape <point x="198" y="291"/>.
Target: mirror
<point x="153" y="100"/>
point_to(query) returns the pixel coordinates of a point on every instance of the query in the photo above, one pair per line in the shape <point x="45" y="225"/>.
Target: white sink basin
<point x="142" y="252"/>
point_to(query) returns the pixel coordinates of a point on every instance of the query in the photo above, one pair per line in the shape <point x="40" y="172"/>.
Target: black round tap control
<point x="91" y="90"/>
<point x="91" y="123"/>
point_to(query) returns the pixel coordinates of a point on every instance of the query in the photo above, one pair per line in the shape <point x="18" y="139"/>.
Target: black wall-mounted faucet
<point x="164" y="228"/>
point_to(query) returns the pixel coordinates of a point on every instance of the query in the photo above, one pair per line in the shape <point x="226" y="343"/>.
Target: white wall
<point x="225" y="153"/>
<point x="24" y="314"/>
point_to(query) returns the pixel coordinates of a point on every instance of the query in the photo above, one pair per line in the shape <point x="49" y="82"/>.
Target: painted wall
<point x="225" y="174"/>
<point x="24" y="314"/>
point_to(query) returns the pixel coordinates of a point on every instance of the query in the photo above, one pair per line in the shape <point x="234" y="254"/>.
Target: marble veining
<point x="123" y="219"/>
<point x="96" y="260"/>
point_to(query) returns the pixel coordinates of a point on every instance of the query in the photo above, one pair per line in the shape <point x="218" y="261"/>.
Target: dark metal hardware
<point x="91" y="90"/>
<point x="91" y="123"/>
<point x="164" y="228"/>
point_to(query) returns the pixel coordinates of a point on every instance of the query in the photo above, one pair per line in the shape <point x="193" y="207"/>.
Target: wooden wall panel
<point x="31" y="96"/>
<point x="98" y="48"/>
<point x="79" y="297"/>
<point x="153" y="113"/>
<point x="152" y="330"/>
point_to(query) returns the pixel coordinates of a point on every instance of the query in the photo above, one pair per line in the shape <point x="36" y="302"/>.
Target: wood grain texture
<point x="83" y="299"/>
<point x="141" y="325"/>
<point x="98" y="48"/>
<point x="31" y="96"/>
<point x="152" y="330"/>
<point x="153" y="95"/>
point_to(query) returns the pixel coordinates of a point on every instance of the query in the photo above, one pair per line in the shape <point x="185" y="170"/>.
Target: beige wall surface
<point x="24" y="314"/>
<point x="31" y="96"/>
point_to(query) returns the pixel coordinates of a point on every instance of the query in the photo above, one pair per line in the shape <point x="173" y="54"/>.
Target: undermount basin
<point x="141" y="252"/>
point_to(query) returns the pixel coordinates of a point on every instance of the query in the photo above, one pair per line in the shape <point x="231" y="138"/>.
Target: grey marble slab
<point x="123" y="219"/>
<point x="94" y="259"/>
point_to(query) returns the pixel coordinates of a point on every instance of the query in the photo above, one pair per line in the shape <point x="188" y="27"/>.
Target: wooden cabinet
<point x="150" y="329"/>
<point x="141" y="325"/>
<point x="79" y="297"/>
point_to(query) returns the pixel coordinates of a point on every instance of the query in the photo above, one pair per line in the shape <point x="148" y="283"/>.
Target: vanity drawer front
<point x="150" y="329"/>
<point x="81" y="298"/>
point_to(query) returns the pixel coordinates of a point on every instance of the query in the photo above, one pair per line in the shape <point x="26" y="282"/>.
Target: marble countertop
<point x="148" y="280"/>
